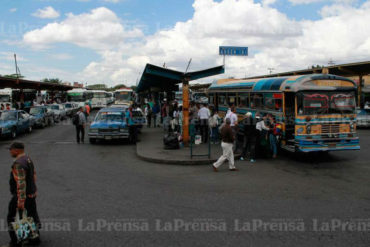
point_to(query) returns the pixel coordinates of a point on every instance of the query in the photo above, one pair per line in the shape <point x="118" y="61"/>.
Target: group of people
<point x="257" y="131"/>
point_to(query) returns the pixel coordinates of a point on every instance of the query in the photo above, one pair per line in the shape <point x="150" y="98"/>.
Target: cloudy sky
<point x="110" y="41"/>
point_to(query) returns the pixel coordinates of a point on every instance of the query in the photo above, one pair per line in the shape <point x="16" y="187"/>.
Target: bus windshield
<point x="99" y="95"/>
<point x="35" y="111"/>
<point x="76" y="97"/>
<point x="327" y="103"/>
<point x="122" y="95"/>
<point x="4" y="98"/>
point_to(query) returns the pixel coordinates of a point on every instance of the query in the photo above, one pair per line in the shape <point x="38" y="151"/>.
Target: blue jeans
<point x="273" y="144"/>
<point x="214" y="134"/>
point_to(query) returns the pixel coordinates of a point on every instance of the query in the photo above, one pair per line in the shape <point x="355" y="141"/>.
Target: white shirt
<point x="261" y="126"/>
<point x="204" y="113"/>
<point x="233" y="119"/>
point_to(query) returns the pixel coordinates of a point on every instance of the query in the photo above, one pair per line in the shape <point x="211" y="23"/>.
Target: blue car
<point x="14" y="122"/>
<point x="42" y="115"/>
<point x="109" y="124"/>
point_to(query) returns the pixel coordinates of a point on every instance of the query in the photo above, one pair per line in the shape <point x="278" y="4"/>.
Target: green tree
<point x="97" y="87"/>
<point x="119" y="86"/>
<point x="52" y="80"/>
<point x="13" y="76"/>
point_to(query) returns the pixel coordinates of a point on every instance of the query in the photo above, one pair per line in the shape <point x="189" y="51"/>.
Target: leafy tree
<point x="13" y="76"/>
<point x="52" y="80"/>
<point x="97" y="87"/>
<point x="119" y="86"/>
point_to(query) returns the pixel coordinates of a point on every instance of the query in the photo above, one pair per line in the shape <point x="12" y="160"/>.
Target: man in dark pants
<point x="250" y="134"/>
<point x="80" y="126"/>
<point x="23" y="189"/>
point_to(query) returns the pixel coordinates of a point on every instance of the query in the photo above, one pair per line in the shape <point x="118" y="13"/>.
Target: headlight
<point x="94" y="130"/>
<point x="300" y="130"/>
<point x="308" y="129"/>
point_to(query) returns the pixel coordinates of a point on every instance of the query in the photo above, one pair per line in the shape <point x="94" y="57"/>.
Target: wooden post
<point x="185" y="111"/>
<point x="359" y="91"/>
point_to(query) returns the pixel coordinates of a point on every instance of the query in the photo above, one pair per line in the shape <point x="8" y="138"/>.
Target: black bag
<point x="76" y="119"/>
<point x="171" y="141"/>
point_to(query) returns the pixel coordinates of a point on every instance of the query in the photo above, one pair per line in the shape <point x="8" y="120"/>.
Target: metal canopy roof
<point x="346" y="70"/>
<point x="26" y="84"/>
<point x="156" y="77"/>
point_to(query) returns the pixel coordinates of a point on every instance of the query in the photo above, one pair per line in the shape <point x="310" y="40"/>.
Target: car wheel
<point x="14" y="133"/>
<point x="92" y="140"/>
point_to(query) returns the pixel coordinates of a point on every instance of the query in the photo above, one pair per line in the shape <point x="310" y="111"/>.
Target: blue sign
<point x="233" y="51"/>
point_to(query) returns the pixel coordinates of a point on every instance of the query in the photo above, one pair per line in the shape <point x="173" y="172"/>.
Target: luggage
<point x="25" y="228"/>
<point x="171" y="141"/>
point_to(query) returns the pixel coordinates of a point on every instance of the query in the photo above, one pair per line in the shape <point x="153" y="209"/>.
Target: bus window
<point x="314" y="103"/>
<point x="211" y="99"/>
<point x="243" y="100"/>
<point x="231" y="99"/>
<point x="269" y="103"/>
<point x="257" y="101"/>
<point x="222" y="99"/>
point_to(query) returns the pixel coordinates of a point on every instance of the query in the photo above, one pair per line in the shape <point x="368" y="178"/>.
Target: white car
<point x="59" y="111"/>
<point x="363" y="118"/>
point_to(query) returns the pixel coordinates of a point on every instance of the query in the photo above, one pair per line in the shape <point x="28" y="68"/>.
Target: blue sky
<point x="68" y="60"/>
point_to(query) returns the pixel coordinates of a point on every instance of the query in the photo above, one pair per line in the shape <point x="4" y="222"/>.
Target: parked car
<point x="363" y="117"/>
<point x="71" y="108"/>
<point x="109" y="123"/>
<point x="14" y="122"/>
<point x="59" y="112"/>
<point x="43" y="116"/>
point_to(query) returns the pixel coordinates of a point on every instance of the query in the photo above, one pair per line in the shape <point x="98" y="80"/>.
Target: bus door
<point x="289" y="110"/>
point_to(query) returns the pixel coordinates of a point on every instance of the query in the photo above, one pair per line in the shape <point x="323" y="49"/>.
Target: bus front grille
<point x="330" y="128"/>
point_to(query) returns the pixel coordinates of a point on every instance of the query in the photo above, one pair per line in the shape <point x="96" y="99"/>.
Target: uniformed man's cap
<point x="16" y="145"/>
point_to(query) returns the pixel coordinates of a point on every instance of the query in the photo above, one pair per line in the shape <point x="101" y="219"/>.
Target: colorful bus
<point x="124" y="96"/>
<point x="80" y="96"/>
<point x="316" y="112"/>
<point x="99" y="99"/>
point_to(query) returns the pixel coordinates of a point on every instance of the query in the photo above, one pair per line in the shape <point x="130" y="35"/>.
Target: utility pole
<point x="17" y="71"/>
<point x="331" y="62"/>
<point x="185" y="106"/>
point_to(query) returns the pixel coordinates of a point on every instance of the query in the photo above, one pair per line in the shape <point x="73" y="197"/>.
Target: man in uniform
<point x="23" y="189"/>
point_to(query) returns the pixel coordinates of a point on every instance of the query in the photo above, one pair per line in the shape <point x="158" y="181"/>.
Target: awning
<point x="163" y="79"/>
<point x="26" y="84"/>
<point x="346" y="70"/>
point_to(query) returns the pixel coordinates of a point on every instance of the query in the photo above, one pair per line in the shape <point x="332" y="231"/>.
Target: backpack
<point x="76" y="119"/>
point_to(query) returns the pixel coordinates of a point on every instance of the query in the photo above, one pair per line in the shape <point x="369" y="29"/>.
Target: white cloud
<point x="100" y="29"/>
<point x="46" y="13"/>
<point x="274" y="40"/>
<point x="61" y="56"/>
<point x="12" y="10"/>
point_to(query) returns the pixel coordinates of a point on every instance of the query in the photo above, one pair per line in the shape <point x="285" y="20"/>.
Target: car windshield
<point x="110" y="117"/>
<point x="68" y="105"/>
<point x="4" y="98"/>
<point x="8" y="116"/>
<point x="35" y="111"/>
<point x="327" y="103"/>
<point x="55" y="107"/>
<point x="363" y="112"/>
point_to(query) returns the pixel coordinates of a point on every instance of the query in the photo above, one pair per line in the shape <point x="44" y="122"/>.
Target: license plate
<point x="108" y="138"/>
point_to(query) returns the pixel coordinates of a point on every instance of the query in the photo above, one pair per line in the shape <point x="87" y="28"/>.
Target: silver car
<point x="60" y="112"/>
<point x="363" y="117"/>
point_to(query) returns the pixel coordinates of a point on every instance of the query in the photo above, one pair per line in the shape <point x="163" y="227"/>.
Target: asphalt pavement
<point x="103" y="195"/>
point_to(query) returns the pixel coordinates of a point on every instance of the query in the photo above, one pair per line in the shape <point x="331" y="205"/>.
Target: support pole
<point x="359" y="91"/>
<point x="185" y="111"/>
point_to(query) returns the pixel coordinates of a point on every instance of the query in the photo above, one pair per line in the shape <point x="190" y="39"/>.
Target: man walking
<point x="204" y="115"/>
<point x="80" y="122"/>
<point x="23" y="189"/>
<point x="227" y="147"/>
